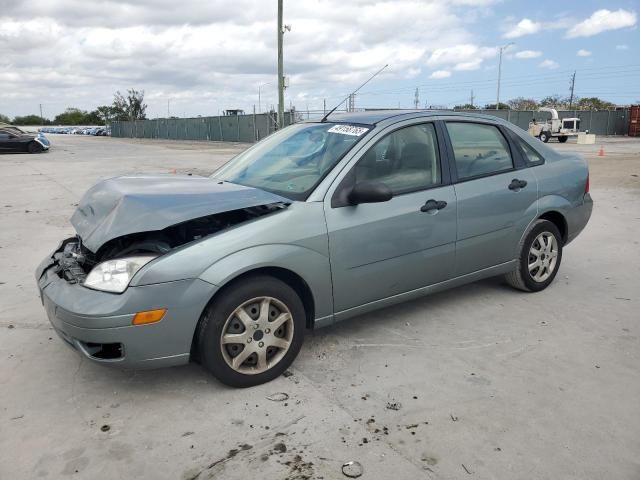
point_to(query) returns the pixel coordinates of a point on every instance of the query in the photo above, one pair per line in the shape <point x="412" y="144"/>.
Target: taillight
<point x="586" y="185"/>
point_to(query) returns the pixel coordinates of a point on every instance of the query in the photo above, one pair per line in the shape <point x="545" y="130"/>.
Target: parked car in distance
<point x="316" y="223"/>
<point x="13" y="139"/>
<point x="39" y="134"/>
<point x="97" y="131"/>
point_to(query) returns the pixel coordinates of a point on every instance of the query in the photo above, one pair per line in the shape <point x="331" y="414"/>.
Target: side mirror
<point x="370" y="192"/>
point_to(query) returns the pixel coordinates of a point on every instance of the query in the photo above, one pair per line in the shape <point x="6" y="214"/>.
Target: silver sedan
<point x="317" y="223"/>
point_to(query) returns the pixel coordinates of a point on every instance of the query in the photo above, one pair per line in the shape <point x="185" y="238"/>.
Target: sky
<point x="199" y="57"/>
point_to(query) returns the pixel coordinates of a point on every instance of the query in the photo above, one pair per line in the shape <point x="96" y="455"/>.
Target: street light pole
<point x="280" y="69"/>
<point x="500" y="73"/>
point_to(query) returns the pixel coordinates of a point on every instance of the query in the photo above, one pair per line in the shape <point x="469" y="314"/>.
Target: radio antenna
<point x="324" y="119"/>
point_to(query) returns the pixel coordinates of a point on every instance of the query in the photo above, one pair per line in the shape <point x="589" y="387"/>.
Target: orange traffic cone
<point x="601" y="152"/>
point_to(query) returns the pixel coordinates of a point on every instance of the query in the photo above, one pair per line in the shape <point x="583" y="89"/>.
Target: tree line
<point x="129" y="106"/>
<point x="553" y="101"/>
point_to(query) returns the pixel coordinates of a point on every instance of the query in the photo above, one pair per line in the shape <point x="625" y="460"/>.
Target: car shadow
<point x="198" y="380"/>
<point x="397" y="314"/>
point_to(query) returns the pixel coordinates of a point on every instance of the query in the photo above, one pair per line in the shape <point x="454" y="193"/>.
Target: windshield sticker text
<point x="348" y="130"/>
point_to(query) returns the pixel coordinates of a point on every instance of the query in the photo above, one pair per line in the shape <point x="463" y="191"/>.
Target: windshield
<point x="294" y="160"/>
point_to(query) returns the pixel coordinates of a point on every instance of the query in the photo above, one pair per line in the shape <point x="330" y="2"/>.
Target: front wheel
<point x="544" y="137"/>
<point x="35" y="147"/>
<point x="539" y="259"/>
<point x="251" y="332"/>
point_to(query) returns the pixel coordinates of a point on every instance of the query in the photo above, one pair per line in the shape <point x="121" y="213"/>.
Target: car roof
<point x="374" y="117"/>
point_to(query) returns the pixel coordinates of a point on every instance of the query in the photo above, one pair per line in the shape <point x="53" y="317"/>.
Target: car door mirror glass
<point x="370" y="192"/>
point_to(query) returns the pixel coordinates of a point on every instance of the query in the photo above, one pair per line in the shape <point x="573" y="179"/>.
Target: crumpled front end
<point x="99" y="325"/>
<point x="121" y="206"/>
<point x="127" y="218"/>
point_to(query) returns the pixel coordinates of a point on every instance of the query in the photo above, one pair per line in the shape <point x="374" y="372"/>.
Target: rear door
<point x="496" y="196"/>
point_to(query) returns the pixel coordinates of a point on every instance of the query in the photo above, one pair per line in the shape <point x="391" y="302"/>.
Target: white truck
<point x="562" y="129"/>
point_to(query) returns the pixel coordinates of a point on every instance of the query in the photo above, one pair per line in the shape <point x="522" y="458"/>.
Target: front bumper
<point x="99" y="324"/>
<point x="43" y="142"/>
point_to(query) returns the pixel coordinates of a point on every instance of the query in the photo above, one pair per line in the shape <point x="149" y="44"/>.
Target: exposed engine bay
<point x="74" y="261"/>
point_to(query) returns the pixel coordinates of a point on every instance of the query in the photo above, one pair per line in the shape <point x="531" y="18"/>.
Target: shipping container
<point x="634" y="121"/>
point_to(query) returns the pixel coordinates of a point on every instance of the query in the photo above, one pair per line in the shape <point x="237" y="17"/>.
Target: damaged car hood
<point x="142" y="203"/>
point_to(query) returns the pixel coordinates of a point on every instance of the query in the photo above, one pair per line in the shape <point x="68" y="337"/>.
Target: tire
<point x="563" y="139"/>
<point x="537" y="278"/>
<point x="34" y="147"/>
<point x="544" y="137"/>
<point x="264" y="300"/>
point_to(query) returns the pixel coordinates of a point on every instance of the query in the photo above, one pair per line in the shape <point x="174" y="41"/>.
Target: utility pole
<point x="416" y="99"/>
<point x="168" y="108"/>
<point x="351" y="104"/>
<point x="573" y="82"/>
<point x="472" y="98"/>
<point x="500" y="74"/>
<point x="280" y="69"/>
<point x="41" y="117"/>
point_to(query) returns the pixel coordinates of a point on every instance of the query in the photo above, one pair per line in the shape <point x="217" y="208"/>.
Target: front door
<point x="496" y="200"/>
<point x="383" y="249"/>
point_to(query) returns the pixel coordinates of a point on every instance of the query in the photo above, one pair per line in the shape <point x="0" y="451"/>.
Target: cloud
<point x="440" y="74"/>
<point x="209" y="55"/>
<point x="523" y="27"/>
<point x="526" y="54"/>
<point x="460" y="57"/>
<point x="622" y="47"/>
<point x="550" y="64"/>
<point x="583" y="53"/>
<point x="602" y="21"/>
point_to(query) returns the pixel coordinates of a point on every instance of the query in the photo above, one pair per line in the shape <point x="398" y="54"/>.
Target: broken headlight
<point x="115" y="275"/>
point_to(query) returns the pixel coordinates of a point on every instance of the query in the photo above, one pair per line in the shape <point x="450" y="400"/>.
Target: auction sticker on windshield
<point x="348" y="130"/>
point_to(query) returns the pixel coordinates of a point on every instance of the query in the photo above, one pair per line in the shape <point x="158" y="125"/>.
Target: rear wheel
<point x="544" y="137"/>
<point x="34" y="147"/>
<point x="251" y="332"/>
<point x="563" y="139"/>
<point x="539" y="260"/>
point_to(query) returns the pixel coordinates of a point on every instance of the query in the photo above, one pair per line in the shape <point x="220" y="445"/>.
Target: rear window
<point x="531" y="156"/>
<point x="479" y="149"/>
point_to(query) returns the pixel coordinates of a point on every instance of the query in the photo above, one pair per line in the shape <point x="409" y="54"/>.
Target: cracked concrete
<point x="492" y="383"/>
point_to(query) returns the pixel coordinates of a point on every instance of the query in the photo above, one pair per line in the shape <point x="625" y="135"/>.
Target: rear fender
<point x="548" y="203"/>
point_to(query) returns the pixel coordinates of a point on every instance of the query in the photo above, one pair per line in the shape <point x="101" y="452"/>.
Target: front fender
<point x="310" y="265"/>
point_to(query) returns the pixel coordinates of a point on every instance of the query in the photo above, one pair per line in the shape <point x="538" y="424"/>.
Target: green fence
<point x="603" y="122"/>
<point x="250" y="128"/>
<point x="232" y="128"/>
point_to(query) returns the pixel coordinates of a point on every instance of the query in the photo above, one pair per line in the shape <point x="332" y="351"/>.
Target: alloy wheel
<point x="543" y="256"/>
<point x="257" y="335"/>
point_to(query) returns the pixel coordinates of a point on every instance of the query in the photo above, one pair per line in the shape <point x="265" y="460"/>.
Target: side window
<point x="532" y="157"/>
<point x="404" y="160"/>
<point x="478" y="149"/>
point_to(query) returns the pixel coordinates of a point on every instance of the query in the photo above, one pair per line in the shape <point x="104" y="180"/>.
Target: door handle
<point x="432" y="204"/>
<point x="517" y="184"/>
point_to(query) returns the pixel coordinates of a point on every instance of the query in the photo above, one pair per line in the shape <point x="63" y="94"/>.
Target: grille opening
<point x="105" y="351"/>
